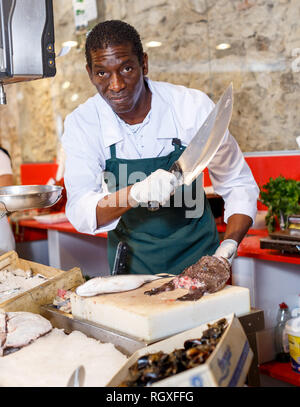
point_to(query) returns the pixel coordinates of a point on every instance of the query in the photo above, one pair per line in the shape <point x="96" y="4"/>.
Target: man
<point x="7" y="241"/>
<point x="119" y="145"/>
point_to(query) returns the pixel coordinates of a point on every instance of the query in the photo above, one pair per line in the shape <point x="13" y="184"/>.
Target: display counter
<point x="250" y="247"/>
<point x="32" y="224"/>
<point x="60" y="245"/>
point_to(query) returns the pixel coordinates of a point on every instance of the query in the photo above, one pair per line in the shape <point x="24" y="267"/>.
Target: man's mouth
<point x="118" y="99"/>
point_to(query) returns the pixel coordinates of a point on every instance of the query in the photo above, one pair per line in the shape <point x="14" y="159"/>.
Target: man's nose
<point x="116" y="83"/>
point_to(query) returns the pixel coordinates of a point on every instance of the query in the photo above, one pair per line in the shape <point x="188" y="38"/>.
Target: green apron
<point x="164" y="241"/>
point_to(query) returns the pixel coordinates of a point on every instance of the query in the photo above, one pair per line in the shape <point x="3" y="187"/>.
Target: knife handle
<point x="120" y="259"/>
<point x="176" y="170"/>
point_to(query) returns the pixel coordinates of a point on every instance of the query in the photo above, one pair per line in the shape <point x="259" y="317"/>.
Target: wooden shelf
<point x="280" y="371"/>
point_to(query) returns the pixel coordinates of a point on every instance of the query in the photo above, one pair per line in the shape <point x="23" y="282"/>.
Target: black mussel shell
<point x="151" y="359"/>
<point x="154" y="358"/>
<point x="197" y="356"/>
<point x="192" y="352"/>
<point x="213" y="333"/>
<point x="150" y="376"/>
<point x="190" y="343"/>
<point x="142" y="362"/>
<point x="222" y="322"/>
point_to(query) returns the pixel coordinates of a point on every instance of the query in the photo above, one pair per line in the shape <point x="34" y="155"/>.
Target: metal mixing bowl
<point x="22" y="197"/>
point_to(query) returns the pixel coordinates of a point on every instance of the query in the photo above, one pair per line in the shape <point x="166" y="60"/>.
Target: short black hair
<point x="113" y="32"/>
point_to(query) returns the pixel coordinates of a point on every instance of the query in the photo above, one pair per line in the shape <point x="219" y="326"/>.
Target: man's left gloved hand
<point x="227" y="249"/>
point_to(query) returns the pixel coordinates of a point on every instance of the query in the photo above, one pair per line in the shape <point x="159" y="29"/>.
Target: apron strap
<point x="177" y="143"/>
<point x="113" y="151"/>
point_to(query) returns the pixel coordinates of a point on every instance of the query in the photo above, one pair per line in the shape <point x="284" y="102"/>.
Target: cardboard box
<point x="227" y="366"/>
<point x="42" y="294"/>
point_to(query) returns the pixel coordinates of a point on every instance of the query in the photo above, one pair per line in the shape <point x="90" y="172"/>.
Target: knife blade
<point x="77" y="377"/>
<point x="203" y="146"/>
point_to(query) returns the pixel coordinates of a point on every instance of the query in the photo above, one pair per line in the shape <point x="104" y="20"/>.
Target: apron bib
<point x="164" y="241"/>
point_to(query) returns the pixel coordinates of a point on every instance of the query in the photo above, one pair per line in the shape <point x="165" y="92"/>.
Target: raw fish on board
<point x="208" y="275"/>
<point x="114" y="284"/>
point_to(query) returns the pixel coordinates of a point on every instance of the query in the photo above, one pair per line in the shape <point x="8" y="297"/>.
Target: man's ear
<point x="145" y="64"/>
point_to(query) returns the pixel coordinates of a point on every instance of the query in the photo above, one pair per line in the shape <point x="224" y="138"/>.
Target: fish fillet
<point x="114" y="284"/>
<point x="23" y="328"/>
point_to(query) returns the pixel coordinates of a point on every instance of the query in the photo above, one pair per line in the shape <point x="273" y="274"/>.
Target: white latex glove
<point x="157" y="187"/>
<point x="227" y="249"/>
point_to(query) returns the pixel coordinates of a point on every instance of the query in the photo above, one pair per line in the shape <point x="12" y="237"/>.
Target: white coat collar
<point x="109" y="123"/>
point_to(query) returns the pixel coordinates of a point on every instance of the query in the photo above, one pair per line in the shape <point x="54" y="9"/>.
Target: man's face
<point x="118" y="76"/>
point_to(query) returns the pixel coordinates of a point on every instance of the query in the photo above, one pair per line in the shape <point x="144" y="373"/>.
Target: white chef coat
<point x="176" y="112"/>
<point x="7" y="241"/>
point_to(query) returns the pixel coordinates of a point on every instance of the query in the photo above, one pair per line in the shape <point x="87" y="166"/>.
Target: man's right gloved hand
<point x="157" y="187"/>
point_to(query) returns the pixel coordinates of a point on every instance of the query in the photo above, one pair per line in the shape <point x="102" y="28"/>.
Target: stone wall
<point x="264" y="36"/>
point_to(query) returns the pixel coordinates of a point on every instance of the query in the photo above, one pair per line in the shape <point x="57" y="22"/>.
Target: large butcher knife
<point x="204" y="144"/>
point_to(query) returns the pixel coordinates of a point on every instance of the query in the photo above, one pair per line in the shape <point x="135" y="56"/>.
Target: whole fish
<point x="208" y="275"/>
<point x="114" y="284"/>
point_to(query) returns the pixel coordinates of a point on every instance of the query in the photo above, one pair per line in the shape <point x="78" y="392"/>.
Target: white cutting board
<point x="151" y="318"/>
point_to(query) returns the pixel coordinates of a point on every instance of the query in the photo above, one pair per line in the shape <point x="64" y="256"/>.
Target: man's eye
<point x="101" y="74"/>
<point x="127" y="68"/>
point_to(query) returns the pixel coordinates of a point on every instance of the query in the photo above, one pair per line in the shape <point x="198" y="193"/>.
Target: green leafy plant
<point x="282" y="197"/>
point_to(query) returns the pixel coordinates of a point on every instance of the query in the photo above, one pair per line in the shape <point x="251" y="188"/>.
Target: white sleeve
<point x="83" y="175"/>
<point x="5" y="164"/>
<point x="232" y="178"/>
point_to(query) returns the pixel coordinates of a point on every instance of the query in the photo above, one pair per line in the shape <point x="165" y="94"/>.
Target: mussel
<point x="191" y="343"/>
<point x="142" y="362"/>
<point x="151" y="375"/>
